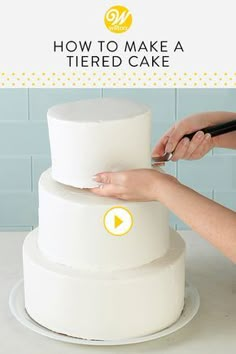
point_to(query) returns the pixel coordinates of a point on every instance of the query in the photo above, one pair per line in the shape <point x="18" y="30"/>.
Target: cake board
<point x="17" y="307"/>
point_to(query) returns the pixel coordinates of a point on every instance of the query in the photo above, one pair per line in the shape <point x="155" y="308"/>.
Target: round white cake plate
<point x="17" y="307"/>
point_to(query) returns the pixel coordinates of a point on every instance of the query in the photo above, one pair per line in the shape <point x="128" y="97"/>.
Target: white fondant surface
<point x="17" y="307"/>
<point x="104" y="305"/>
<point x="97" y="135"/>
<point x="72" y="232"/>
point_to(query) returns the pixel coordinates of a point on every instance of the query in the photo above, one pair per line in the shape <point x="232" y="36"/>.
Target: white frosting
<point x="79" y="279"/>
<point x="72" y="232"/>
<point x="104" y="305"/>
<point x="96" y="135"/>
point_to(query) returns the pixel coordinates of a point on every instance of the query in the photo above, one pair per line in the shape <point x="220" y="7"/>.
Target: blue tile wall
<point x="18" y="209"/>
<point x="15" y="173"/>
<point x="211" y="172"/>
<point x="205" y="100"/>
<point x="14" y="104"/>
<point x="25" y="153"/>
<point x="24" y="138"/>
<point x="15" y="228"/>
<point x="39" y="164"/>
<point x="226" y="198"/>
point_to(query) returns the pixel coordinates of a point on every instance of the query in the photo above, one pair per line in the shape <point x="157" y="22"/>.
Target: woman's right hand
<point x="183" y="148"/>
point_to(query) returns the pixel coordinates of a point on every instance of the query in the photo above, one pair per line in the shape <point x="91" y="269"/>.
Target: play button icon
<point x="118" y="221"/>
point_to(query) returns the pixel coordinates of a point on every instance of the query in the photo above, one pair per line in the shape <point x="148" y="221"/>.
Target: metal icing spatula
<point x="213" y="130"/>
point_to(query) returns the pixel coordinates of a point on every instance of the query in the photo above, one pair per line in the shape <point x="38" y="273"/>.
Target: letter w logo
<point x="116" y="18"/>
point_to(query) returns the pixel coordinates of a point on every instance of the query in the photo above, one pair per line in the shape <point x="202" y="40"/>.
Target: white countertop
<point x="213" y="330"/>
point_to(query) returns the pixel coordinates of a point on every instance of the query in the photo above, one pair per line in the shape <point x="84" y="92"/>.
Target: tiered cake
<point x="100" y="268"/>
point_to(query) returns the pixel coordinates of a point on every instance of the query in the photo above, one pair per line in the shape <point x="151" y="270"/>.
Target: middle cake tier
<point x="85" y="231"/>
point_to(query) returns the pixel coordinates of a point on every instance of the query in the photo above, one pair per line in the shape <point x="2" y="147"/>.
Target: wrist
<point x="163" y="186"/>
<point x="216" y="141"/>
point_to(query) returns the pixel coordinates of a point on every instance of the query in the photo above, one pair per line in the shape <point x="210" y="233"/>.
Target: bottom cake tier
<point x="104" y="305"/>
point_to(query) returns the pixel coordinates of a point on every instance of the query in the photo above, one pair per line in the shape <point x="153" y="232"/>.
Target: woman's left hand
<point x="138" y="185"/>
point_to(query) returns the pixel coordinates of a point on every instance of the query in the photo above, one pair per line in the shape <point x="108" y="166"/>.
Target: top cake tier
<point x="96" y="135"/>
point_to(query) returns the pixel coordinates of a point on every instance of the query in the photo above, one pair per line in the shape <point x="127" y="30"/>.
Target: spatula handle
<point x="215" y="130"/>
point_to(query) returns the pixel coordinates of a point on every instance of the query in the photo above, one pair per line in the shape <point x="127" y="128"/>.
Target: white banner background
<point x="206" y="30"/>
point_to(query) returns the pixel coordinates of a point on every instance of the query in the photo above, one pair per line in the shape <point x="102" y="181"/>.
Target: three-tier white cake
<point x="100" y="268"/>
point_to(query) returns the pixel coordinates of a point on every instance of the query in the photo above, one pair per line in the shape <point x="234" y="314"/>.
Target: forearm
<point x="227" y="141"/>
<point x="214" y="222"/>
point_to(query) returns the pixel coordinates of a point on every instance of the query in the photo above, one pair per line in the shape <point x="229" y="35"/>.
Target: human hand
<point x="138" y="185"/>
<point x="183" y="148"/>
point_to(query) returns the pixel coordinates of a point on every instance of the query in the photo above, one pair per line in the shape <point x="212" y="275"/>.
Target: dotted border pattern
<point x="111" y="79"/>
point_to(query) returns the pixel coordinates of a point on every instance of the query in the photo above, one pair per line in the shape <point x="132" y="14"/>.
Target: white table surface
<point x="213" y="330"/>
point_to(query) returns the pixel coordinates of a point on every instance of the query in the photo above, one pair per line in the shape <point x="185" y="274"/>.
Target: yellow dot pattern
<point x="128" y="79"/>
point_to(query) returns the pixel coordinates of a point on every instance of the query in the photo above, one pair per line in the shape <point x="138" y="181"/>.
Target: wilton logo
<point x="118" y="19"/>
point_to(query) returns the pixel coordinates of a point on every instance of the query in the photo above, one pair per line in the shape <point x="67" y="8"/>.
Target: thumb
<point x="103" y="177"/>
<point x="175" y="136"/>
<point x="159" y="148"/>
<point x="108" y="177"/>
